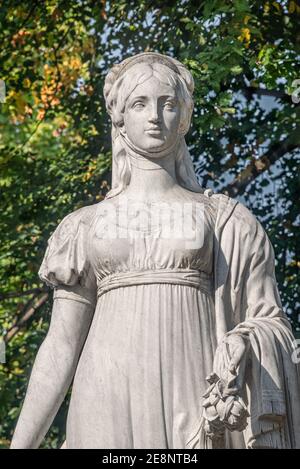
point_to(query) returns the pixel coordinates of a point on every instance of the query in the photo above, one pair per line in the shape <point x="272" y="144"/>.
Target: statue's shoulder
<point x="220" y="202"/>
<point x="235" y="212"/>
<point x="66" y="260"/>
<point x="219" y="198"/>
<point x="80" y="218"/>
<point x="84" y="214"/>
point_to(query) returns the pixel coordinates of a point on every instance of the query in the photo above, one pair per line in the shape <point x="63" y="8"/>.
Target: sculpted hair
<point x="117" y="91"/>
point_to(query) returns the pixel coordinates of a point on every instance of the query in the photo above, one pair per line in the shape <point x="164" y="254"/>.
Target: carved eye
<point x="169" y="105"/>
<point x="138" y="105"/>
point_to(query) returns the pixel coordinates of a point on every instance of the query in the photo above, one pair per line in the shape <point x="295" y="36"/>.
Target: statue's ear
<point x="122" y="128"/>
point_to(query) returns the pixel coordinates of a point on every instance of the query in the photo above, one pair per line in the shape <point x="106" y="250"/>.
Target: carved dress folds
<point x="160" y="308"/>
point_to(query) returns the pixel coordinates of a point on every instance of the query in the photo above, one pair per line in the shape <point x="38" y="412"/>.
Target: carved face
<point x="152" y="116"/>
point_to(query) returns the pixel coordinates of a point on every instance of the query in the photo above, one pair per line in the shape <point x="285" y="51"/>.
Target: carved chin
<point x="155" y="148"/>
<point x="155" y="143"/>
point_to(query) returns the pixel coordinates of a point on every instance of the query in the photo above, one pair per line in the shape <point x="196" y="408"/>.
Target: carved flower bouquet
<point x="223" y="408"/>
<point x="223" y="404"/>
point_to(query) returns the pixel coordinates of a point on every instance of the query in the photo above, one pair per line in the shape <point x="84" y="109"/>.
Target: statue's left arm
<point x="251" y="322"/>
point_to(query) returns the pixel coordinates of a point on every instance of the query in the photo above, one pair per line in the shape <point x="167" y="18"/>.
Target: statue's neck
<point x="151" y="176"/>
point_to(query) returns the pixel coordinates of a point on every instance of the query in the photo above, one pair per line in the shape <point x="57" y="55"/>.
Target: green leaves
<point x="55" y="150"/>
<point x="236" y="69"/>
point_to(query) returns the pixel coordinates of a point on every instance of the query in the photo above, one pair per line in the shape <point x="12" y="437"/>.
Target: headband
<point x="120" y="69"/>
<point x="146" y="57"/>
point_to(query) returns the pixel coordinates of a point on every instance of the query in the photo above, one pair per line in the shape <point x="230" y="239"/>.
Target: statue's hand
<point x="237" y="344"/>
<point x="231" y="355"/>
<point x="223" y="403"/>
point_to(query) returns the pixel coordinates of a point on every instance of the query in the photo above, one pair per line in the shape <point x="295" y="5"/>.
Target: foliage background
<point x="55" y="135"/>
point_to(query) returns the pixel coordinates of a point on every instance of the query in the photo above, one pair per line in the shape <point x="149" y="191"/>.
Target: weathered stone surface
<point x="156" y="288"/>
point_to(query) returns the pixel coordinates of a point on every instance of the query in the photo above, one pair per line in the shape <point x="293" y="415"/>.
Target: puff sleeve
<point x="66" y="266"/>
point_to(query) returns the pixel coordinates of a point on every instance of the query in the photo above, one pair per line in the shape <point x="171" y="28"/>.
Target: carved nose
<point x="154" y="118"/>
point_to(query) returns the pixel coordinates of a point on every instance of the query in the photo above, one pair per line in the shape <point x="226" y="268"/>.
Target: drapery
<point x="246" y="295"/>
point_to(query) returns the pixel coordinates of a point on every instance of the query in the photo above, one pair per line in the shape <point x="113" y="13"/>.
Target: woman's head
<point x="151" y="104"/>
<point x="149" y="99"/>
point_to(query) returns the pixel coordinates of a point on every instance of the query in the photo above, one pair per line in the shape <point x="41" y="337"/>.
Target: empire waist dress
<point x="141" y="374"/>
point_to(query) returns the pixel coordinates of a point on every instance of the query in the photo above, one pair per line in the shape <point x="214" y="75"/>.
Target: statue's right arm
<point x="53" y="370"/>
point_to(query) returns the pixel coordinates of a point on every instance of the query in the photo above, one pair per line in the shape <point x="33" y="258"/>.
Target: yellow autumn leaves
<point x="60" y="75"/>
<point x="282" y="7"/>
<point x="58" y="78"/>
<point x="245" y="36"/>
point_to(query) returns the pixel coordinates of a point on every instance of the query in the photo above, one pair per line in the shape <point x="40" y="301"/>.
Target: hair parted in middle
<point x="120" y="82"/>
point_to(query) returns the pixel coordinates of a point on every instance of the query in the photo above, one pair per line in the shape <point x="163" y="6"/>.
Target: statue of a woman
<point x="175" y="338"/>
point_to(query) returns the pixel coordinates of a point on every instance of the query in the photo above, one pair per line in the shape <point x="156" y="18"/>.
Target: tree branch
<point x="251" y="90"/>
<point x="4" y="296"/>
<point x="258" y="166"/>
<point x="26" y="316"/>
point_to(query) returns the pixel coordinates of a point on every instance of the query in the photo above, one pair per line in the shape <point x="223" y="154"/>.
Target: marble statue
<point x="166" y="317"/>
